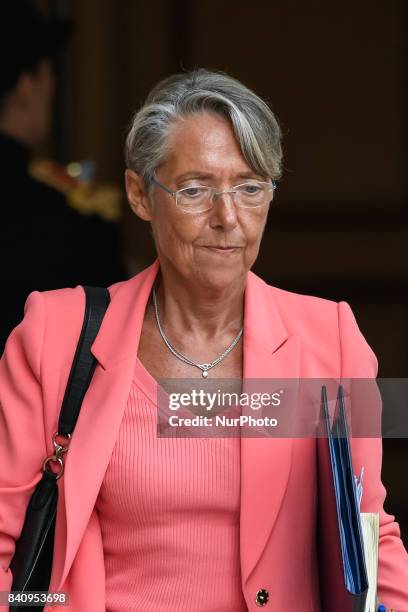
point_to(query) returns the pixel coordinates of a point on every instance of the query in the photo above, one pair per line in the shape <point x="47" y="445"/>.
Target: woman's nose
<point x="223" y="212"/>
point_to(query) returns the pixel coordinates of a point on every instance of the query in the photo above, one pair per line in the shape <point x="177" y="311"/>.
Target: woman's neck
<point x="202" y="312"/>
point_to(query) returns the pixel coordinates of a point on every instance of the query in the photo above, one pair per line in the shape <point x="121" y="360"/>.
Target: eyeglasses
<point x="200" y="198"/>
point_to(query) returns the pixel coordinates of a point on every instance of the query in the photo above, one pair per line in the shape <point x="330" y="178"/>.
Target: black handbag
<point x="32" y="561"/>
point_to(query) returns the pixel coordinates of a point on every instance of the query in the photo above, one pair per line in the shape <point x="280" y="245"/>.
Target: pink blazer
<point x="285" y="335"/>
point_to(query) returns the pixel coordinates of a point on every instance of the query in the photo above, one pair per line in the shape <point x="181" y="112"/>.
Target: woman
<point x="148" y="523"/>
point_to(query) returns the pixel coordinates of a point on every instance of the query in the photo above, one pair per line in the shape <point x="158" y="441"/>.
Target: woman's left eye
<point x="251" y="189"/>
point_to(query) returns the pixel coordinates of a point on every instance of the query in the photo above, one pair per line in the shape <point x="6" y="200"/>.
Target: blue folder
<point x="342" y="571"/>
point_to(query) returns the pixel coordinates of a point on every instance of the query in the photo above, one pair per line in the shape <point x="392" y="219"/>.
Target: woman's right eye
<point x="192" y="192"/>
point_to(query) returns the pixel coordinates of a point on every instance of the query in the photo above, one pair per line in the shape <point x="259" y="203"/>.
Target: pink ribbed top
<point x="169" y="515"/>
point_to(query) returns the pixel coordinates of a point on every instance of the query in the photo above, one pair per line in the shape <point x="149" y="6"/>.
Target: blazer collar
<point x="118" y="337"/>
<point x="262" y="321"/>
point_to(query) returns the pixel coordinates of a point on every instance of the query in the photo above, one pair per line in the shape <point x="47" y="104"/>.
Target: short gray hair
<point x="181" y="95"/>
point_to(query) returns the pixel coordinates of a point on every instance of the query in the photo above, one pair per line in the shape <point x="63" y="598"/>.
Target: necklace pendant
<point x="205" y="367"/>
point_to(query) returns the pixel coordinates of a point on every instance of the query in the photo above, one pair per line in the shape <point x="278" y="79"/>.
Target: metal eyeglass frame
<point x="215" y="193"/>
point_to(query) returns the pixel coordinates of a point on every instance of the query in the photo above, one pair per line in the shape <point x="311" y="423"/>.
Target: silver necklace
<point x="204" y="367"/>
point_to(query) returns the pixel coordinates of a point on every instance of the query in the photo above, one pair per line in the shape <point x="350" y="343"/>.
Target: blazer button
<point x="262" y="597"/>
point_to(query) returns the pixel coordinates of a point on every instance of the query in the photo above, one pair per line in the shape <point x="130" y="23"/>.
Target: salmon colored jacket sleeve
<point x="22" y="437"/>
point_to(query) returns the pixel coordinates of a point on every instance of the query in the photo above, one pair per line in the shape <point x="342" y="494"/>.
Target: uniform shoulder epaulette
<point x="85" y="196"/>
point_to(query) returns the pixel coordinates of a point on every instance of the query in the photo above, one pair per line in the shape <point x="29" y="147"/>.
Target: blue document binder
<point x="342" y="571"/>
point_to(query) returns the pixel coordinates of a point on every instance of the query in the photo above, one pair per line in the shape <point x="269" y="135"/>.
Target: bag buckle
<point x="60" y="449"/>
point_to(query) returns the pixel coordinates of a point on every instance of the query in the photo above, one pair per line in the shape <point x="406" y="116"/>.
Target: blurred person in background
<point x="45" y="242"/>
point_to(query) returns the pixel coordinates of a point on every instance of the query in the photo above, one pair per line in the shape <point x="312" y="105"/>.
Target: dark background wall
<point x="334" y="73"/>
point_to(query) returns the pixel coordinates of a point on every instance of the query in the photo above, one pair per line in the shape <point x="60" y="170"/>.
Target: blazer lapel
<point x="269" y="353"/>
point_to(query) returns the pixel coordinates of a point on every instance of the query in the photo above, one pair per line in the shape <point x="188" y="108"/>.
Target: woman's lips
<point x="223" y="250"/>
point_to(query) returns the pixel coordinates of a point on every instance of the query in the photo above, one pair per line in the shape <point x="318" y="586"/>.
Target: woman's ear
<point x="137" y="196"/>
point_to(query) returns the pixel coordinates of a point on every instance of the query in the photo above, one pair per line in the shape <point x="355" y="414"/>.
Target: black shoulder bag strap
<point x="32" y="561"/>
<point x="97" y="301"/>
